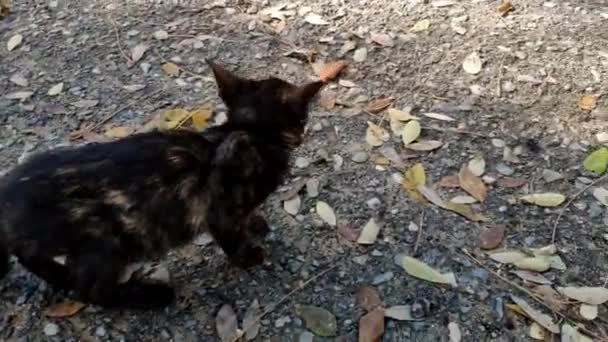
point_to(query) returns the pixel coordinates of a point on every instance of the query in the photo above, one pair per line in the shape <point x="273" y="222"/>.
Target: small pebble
<point x="491" y="237"/>
<point x="412" y="227"/>
<point x="551" y="176"/>
<point x="279" y="323"/>
<point x="100" y="331"/>
<point x="488" y="179"/>
<point x="306" y="337"/>
<point x="498" y="143"/>
<point x="382" y="278"/>
<point x="51" y="329"/>
<point x="508" y="86"/>
<point x="302" y="162"/>
<point x="361" y="260"/>
<point x="312" y="187"/>
<point x="374" y="203"/>
<point x="504" y="169"/>
<point x="360" y="157"/>
<point x="317" y="127"/>
<point x="377" y="253"/>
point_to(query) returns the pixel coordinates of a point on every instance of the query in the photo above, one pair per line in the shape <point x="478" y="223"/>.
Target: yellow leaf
<point x="375" y="135"/>
<point x="414" y="177"/>
<point x="400" y="115"/>
<point x="369" y="233"/>
<point x="538" y="264"/>
<point x="200" y="118"/>
<point x="326" y="213"/>
<point x="472" y="184"/>
<point x="411" y="132"/>
<point x="171" y="69"/>
<point x="587" y="102"/>
<point x="466" y="211"/>
<point x="545" y="199"/>
<point x="64" y="309"/>
<point x="421" y="270"/>
<point x="174" y="118"/>
<point x="421" y="25"/>
<point x="505" y="7"/>
<point x="508" y="256"/>
<point x="118" y="132"/>
<point x="536" y="331"/>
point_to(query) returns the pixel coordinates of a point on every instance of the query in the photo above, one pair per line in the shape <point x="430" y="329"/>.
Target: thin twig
<point x="458" y="131"/>
<point x="79" y="134"/>
<point x="269" y="308"/>
<point x="559" y="216"/>
<point x="419" y="236"/>
<point x="116" y="32"/>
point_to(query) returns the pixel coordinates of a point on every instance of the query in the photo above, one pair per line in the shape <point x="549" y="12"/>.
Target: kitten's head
<point x="271" y="106"/>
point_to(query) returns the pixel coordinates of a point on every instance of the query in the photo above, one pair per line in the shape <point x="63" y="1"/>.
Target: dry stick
<point x="419" y="236"/>
<point x="559" y="216"/>
<point x="521" y="288"/>
<point x="271" y="307"/>
<point x="80" y="133"/>
<point x="122" y="52"/>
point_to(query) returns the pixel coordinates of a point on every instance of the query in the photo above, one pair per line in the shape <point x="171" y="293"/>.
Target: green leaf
<point x="597" y="161"/>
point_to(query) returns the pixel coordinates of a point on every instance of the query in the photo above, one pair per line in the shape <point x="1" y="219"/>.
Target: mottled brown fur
<point x="105" y="205"/>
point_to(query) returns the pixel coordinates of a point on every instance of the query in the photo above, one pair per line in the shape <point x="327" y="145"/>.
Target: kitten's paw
<point x="258" y="226"/>
<point x="249" y="256"/>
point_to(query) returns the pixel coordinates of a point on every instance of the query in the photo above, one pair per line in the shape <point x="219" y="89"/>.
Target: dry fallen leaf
<point x="292" y="205"/>
<point x="5" y="8"/>
<point x="545" y="199"/>
<point x="56" y="89"/>
<point x="411" y="132"/>
<point x="507" y="256"/>
<point x="14" y="41"/>
<point x="588" y="312"/>
<point x="174" y="118"/>
<point x="537" y="332"/>
<point x="226" y="324"/>
<point x="463" y="200"/>
<point x="118" y="132"/>
<point x="439" y="116"/>
<point x="424" y="145"/>
<point x="472" y="184"/>
<point x="368" y="298"/>
<point x="588" y="295"/>
<point x="505" y="7"/>
<point x="348" y="232"/>
<point x="64" y="309"/>
<point x="431" y="195"/>
<point x="326" y="213"/>
<point x="421" y="270"/>
<point x="421" y="25"/>
<point x="587" y="102"/>
<point x="251" y="322"/>
<point x="550" y="297"/>
<point x="138" y="52"/>
<point x="330" y="71"/>
<point x="371" y="326"/>
<point x="543" y="319"/>
<point x="449" y="182"/>
<point x="379" y="104"/>
<point x="400" y="115"/>
<point x="171" y="69"/>
<point x="465" y="211"/>
<point x="200" y="117"/>
<point x="375" y="135"/>
<point x="318" y="320"/>
<point x="369" y="233"/>
<point x="382" y="39"/>
<point x="538" y="264"/>
<point x="472" y="63"/>
<point x="509" y="182"/>
<point x="315" y="19"/>
<point x="414" y="177"/>
<point x="532" y="277"/>
<point x="399" y="312"/>
<point x="477" y="166"/>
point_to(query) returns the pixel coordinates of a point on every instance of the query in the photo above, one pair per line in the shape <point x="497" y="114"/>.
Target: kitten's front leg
<point x="256" y="225"/>
<point x="232" y="234"/>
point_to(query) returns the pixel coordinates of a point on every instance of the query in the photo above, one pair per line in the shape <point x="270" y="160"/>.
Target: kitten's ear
<point x="304" y="94"/>
<point x="227" y="82"/>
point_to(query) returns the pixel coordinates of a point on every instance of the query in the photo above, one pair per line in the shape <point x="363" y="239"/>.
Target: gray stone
<point x="51" y="329"/>
<point x="551" y="176"/>
<point x="382" y="278"/>
<point x="360" y="157"/>
<point x="503" y="169"/>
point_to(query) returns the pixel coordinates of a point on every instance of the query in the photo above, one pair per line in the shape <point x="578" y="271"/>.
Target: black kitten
<point x="109" y="204"/>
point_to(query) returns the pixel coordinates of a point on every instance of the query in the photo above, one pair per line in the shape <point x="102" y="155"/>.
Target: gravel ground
<point x="538" y="61"/>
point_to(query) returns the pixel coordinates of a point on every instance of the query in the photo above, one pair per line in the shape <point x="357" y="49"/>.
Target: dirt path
<point x="538" y="61"/>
